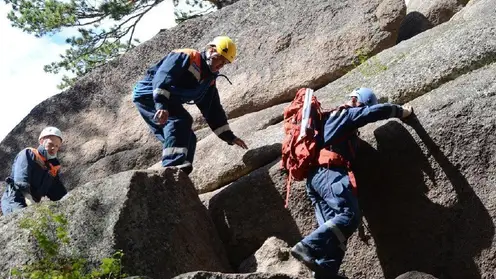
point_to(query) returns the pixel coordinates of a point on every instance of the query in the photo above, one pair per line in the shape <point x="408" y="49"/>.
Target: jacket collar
<point x="42" y="151"/>
<point x="206" y="72"/>
<point x="206" y="69"/>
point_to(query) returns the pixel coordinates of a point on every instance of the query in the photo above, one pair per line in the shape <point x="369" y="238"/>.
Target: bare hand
<point x="239" y="142"/>
<point x="407" y="111"/>
<point x="161" y="116"/>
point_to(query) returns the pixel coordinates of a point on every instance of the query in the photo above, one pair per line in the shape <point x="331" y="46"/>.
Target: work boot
<point x="186" y="167"/>
<point x="302" y="253"/>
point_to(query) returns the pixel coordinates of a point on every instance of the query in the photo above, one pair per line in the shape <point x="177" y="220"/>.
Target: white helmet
<point x="50" y="131"/>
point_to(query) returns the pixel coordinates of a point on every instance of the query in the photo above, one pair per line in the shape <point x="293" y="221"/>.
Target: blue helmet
<point x="365" y="96"/>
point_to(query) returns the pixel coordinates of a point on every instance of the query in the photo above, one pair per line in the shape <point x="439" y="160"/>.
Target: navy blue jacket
<point x="183" y="76"/>
<point x="340" y="128"/>
<point x="34" y="174"/>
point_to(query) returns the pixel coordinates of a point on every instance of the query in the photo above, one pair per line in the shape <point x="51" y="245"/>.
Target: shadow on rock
<point x="248" y="211"/>
<point x="413" y="24"/>
<point x="411" y="231"/>
<point x="262" y="155"/>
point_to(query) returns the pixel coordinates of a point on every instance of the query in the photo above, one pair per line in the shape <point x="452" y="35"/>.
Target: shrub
<point x="49" y="232"/>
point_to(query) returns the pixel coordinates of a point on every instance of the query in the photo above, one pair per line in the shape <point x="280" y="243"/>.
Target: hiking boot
<point x="302" y="253"/>
<point x="186" y="167"/>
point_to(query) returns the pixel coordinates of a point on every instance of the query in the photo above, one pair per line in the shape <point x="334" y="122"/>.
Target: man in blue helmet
<point x="331" y="188"/>
<point x="185" y="76"/>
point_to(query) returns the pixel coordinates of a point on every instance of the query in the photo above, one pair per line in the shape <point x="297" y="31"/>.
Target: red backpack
<point x="300" y="154"/>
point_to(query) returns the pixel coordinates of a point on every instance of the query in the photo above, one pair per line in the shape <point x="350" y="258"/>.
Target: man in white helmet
<point x="35" y="174"/>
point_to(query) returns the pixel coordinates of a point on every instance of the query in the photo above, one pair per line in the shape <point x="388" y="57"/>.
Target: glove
<point x="407" y="111"/>
<point x="28" y="198"/>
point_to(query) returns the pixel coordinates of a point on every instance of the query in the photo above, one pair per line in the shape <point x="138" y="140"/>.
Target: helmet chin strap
<point x="209" y="55"/>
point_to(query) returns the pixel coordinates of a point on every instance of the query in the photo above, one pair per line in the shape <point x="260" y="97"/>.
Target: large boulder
<point x="274" y="257"/>
<point x="437" y="11"/>
<point x="251" y="209"/>
<point x="419" y="65"/>
<point x="155" y="217"/>
<point x="269" y="71"/>
<point x="427" y="190"/>
<point x="99" y="120"/>
<point x="217" y="164"/>
<point x="476" y="9"/>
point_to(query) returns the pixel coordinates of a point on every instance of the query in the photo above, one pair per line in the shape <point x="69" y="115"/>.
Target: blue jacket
<point x="340" y="127"/>
<point x="183" y="76"/>
<point x="37" y="175"/>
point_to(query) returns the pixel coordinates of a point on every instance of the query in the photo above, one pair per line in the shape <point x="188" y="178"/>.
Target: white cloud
<point x="24" y="83"/>
<point x="22" y="57"/>
<point x="160" y="17"/>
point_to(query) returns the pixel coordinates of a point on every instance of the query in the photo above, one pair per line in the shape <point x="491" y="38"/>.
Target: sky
<point x="22" y="57"/>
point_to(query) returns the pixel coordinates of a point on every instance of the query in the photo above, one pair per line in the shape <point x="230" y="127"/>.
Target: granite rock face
<point x="426" y="185"/>
<point x="103" y="132"/>
<point x="155" y="217"/>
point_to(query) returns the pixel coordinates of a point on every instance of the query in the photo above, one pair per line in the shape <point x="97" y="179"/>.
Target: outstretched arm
<point x="342" y="122"/>
<point x="214" y="114"/>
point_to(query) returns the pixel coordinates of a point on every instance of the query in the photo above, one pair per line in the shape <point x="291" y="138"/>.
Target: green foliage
<point x="50" y="235"/>
<point x="193" y="9"/>
<point x="366" y="65"/>
<point x="94" y="45"/>
<point x="369" y="66"/>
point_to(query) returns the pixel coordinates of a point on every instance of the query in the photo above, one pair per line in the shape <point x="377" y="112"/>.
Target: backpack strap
<point x="288" y="189"/>
<point x="330" y="158"/>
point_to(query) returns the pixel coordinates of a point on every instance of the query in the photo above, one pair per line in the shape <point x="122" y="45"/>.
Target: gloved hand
<point x="407" y="110"/>
<point x="28" y="198"/>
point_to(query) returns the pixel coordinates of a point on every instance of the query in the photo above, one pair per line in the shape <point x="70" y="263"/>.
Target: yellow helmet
<point x="225" y="47"/>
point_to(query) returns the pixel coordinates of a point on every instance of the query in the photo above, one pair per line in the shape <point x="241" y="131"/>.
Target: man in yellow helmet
<point x="185" y="76"/>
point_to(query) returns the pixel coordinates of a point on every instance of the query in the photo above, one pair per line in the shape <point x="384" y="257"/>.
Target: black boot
<point x="186" y="167"/>
<point x="302" y="253"/>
